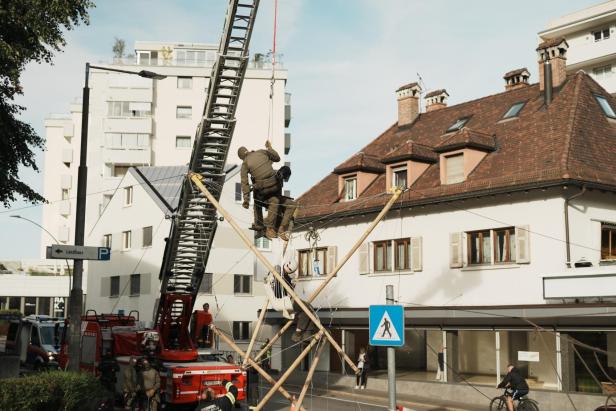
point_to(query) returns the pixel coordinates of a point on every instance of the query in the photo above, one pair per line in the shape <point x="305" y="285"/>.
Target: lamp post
<point x="76" y="297"/>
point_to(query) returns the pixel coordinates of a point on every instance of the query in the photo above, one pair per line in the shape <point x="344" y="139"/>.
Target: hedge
<point x="57" y="390"/>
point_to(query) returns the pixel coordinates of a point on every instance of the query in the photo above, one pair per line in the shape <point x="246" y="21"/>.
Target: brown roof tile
<point x="551" y="43"/>
<point x="436" y="93"/>
<point x="467" y="138"/>
<point x="360" y="162"/>
<point x="515" y="72"/>
<point x="570" y="140"/>
<point x="411" y="151"/>
<point x="414" y="84"/>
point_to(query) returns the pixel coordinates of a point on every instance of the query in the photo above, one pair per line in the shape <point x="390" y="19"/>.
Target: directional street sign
<point x="387" y="325"/>
<point x="78" y="252"/>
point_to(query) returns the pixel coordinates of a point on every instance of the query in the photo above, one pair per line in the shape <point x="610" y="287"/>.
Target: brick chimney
<point x="436" y="100"/>
<point x="553" y="51"/>
<point x="516" y="79"/>
<point x="408" y="103"/>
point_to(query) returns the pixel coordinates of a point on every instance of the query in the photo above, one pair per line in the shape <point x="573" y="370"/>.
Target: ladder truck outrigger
<point x="184" y="378"/>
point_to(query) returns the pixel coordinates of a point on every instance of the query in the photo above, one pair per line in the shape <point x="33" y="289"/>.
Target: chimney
<point x="436" y="100"/>
<point x="516" y="79"/>
<point x="553" y="52"/>
<point x="408" y="103"/>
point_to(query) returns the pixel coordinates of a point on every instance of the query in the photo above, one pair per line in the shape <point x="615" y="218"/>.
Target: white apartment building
<point x="591" y="35"/>
<point x="141" y="122"/>
<point x="509" y="213"/>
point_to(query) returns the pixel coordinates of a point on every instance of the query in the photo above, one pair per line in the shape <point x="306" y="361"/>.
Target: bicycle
<point x="524" y="404"/>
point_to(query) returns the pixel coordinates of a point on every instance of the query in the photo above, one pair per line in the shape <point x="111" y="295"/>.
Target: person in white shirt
<point x="362" y="364"/>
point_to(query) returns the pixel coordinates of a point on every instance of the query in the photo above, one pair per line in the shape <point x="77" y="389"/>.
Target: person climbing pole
<point x="266" y="186"/>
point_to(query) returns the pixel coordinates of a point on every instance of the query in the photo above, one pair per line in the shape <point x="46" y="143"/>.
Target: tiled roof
<point x="411" y="151"/>
<point x="361" y="162"/>
<point x="436" y="93"/>
<point x="552" y="42"/>
<point x="414" y="84"/>
<point x="515" y="72"/>
<point x="570" y="140"/>
<point x="467" y="138"/>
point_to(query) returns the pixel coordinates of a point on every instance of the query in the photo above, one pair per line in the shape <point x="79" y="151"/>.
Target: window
<point x="114" y="286"/>
<point x="458" y="124"/>
<point x="147" y="236"/>
<point x="183" y="112"/>
<point x="44" y="306"/>
<point x="382" y="256"/>
<point x="602" y="34"/>
<point x="206" y="283"/>
<point x="133" y="141"/>
<point x="454" y="169"/>
<point x="185" y="82"/>
<point x="182" y="142"/>
<point x="602" y="71"/>
<point x="479" y="250"/>
<point x="190" y="57"/>
<point x="147" y="58"/>
<point x="350" y="188"/>
<point x="126" y="240"/>
<point x="128" y="109"/>
<point x="608" y="241"/>
<point x="402" y="250"/>
<point x="241" y="284"/>
<point x="241" y="330"/>
<point x="135" y="284"/>
<point x="65" y="194"/>
<point x="128" y="196"/>
<point x="514" y="110"/>
<point x="263" y="243"/>
<point x="30" y="308"/>
<point x="107" y="240"/>
<point x="120" y="171"/>
<point x="238" y="192"/>
<point x="15" y="303"/>
<point x="605" y="106"/>
<point x="504" y="245"/>
<point x="313" y="262"/>
<point x="399" y="177"/>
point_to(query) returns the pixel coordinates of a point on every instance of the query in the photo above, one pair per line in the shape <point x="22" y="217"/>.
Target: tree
<point x="30" y="30"/>
<point x="118" y="48"/>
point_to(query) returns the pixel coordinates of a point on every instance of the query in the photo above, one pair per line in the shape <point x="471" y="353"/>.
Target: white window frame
<point x="127" y="239"/>
<point x="352" y="181"/>
<point x="107" y="240"/>
<point x="240" y="336"/>
<point x="128" y="196"/>
<point x="394" y="176"/>
<point x="183" y="138"/>
<point x="241" y="292"/>
<point x="187" y="79"/>
<point x="601" y="32"/>
<point x="183" y="116"/>
<point x="263" y="244"/>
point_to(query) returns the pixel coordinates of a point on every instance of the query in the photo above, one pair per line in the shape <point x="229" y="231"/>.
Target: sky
<point x="345" y="59"/>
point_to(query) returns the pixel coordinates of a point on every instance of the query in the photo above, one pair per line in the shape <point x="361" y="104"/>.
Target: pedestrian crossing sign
<point x="387" y="325"/>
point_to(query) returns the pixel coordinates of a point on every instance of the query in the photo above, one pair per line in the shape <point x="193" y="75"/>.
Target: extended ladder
<point x="194" y="225"/>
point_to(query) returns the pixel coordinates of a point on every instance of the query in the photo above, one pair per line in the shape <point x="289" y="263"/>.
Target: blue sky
<point x="345" y="60"/>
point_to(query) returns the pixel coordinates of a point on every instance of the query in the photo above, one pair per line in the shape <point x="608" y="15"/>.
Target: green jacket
<point x="259" y="165"/>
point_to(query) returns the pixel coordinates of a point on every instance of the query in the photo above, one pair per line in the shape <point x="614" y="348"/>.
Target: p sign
<point x="104" y="253"/>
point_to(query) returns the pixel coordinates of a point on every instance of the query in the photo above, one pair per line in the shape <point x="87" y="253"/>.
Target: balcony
<point x="287" y="109"/>
<point x="130" y="94"/>
<point x="287" y="143"/>
<point x="140" y="125"/>
<point x="587" y="282"/>
<point x="67" y="155"/>
<point x="124" y="155"/>
<point x="65" y="207"/>
<point x="66" y="181"/>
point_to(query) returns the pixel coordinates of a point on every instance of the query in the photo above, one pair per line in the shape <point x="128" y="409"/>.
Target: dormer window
<point x="514" y="110"/>
<point x="605" y="106"/>
<point x="454" y="168"/>
<point x="400" y="177"/>
<point x="350" y="188"/>
<point x="459" y="123"/>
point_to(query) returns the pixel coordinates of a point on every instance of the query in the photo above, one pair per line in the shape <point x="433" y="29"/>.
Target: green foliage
<point x="30" y="30"/>
<point x="118" y="48"/>
<point x="51" y="391"/>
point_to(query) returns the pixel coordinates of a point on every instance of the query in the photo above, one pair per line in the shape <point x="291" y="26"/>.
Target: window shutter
<point x="455" y="250"/>
<point x="416" y="254"/>
<point x="364" y="258"/>
<point x="522" y="247"/>
<point x="332" y="253"/>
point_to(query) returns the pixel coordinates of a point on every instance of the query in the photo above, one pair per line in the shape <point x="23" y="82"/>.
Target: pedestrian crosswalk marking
<point x="386" y="330"/>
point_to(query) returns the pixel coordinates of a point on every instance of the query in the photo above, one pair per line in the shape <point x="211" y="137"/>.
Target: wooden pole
<point x="256" y="366"/>
<point x="255" y="333"/>
<point x="311" y="371"/>
<point x="379" y="217"/>
<point x="314" y="295"/>
<point x="196" y="179"/>
<point x="288" y="372"/>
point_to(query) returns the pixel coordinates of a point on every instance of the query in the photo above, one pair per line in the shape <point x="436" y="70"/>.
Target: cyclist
<point x="517" y="386"/>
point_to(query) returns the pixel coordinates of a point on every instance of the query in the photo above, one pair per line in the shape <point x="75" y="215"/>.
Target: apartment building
<point x="591" y="35"/>
<point x="508" y="219"/>
<point x="139" y="122"/>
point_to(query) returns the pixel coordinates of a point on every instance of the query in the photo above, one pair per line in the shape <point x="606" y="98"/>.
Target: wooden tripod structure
<point x="197" y="180"/>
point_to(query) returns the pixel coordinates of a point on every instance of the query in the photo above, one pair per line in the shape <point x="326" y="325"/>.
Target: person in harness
<point x="267" y="189"/>
<point x="225" y="403"/>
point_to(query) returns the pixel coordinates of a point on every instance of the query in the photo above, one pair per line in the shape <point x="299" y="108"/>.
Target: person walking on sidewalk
<point x="440" y="366"/>
<point x="362" y="364"/>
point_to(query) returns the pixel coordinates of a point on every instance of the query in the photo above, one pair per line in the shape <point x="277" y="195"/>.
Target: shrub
<point x="57" y="390"/>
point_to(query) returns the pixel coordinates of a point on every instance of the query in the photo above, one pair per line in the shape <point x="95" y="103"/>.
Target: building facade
<point x="591" y="34"/>
<point x="500" y="247"/>
<point x="35" y="294"/>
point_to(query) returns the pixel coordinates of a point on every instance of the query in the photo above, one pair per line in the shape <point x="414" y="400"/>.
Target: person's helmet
<point x="290" y="266"/>
<point x="241" y="152"/>
<point x="284" y="173"/>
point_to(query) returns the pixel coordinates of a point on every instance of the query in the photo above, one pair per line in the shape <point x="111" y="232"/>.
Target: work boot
<point x="270" y="233"/>
<point x="296" y="337"/>
<point x="257" y="227"/>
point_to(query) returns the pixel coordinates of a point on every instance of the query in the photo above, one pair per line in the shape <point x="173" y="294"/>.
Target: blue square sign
<point x="387" y="325"/>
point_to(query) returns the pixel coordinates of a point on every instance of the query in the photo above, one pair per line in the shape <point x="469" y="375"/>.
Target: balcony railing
<point x="125" y="155"/>
<point x="264" y="63"/>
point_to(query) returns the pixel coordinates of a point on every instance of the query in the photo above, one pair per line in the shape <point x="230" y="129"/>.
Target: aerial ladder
<point x="194" y="224"/>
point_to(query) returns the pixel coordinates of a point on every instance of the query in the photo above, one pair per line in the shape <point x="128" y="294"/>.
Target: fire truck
<point x="184" y="377"/>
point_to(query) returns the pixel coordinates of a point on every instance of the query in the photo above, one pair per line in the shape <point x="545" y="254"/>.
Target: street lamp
<point x="76" y="298"/>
